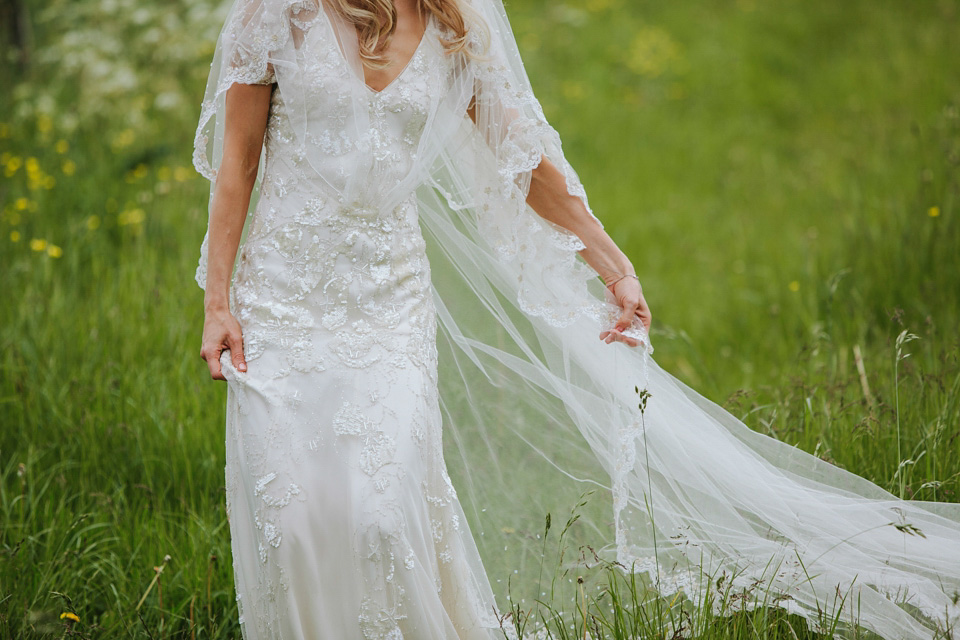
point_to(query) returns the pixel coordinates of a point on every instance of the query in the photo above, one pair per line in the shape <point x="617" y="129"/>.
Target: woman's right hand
<point x="626" y="294"/>
<point x="221" y="332"/>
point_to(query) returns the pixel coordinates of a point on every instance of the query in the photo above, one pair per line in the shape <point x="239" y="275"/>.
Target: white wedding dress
<point x="344" y="522"/>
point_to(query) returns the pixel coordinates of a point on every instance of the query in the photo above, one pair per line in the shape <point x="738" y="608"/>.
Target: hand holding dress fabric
<point x="221" y="332"/>
<point x="626" y="293"/>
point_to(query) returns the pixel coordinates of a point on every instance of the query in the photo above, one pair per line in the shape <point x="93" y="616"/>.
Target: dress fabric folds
<point x="399" y="300"/>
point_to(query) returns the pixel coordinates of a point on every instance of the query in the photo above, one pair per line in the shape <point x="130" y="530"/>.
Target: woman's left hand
<point x="627" y="294"/>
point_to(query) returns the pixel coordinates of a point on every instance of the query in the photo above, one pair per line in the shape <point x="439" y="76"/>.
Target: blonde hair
<point x="376" y="22"/>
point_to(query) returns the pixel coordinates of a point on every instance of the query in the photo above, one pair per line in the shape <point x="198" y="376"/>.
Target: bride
<point x="411" y="265"/>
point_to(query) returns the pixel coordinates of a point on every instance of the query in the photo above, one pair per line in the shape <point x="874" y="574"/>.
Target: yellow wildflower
<point x="67" y="615"/>
<point x="933" y="211"/>
<point x="163" y="173"/>
<point x="38" y="244"/>
<point x="794" y="286"/>
<point x="131" y="216"/>
<point x="14" y="236"/>
<point x="124" y="139"/>
<point x="37" y="178"/>
<point x="69" y="167"/>
<point x="54" y="251"/>
<point x="93" y="222"/>
<point x="44" y="123"/>
<point x="182" y="174"/>
<point x="11" y="164"/>
<point x="138" y="173"/>
<point x="62" y="146"/>
<point x="21" y="203"/>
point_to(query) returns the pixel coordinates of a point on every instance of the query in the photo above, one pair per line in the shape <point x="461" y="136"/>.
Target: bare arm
<point x="549" y="197"/>
<point x="246" y="111"/>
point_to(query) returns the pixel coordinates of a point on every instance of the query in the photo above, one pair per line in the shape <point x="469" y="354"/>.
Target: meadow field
<point x="784" y="174"/>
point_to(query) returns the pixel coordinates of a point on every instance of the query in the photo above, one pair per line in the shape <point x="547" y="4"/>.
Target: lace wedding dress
<point x="343" y="520"/>
<point x="391" y="239"/>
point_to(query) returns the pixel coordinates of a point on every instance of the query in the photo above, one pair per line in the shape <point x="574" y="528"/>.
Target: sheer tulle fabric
<point x="536" y="409"/>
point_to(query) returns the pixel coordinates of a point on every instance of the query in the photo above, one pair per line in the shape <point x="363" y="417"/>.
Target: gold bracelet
<point x="622" y="276"/>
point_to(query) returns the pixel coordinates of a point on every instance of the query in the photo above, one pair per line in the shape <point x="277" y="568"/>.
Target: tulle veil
<point x="538" y="411"/>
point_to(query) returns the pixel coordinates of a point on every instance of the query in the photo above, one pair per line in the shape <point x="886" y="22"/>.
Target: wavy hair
<point x="376" y="22"/>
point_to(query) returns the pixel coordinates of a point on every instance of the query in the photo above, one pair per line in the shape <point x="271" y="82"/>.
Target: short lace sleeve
<point x="256" y="76"/>
<point x="257" y="45"/>
<point x="552" y="280"/>
<point x="254" y="36"/>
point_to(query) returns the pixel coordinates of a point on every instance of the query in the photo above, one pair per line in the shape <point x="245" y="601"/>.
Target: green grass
<point x="784" y="175"/>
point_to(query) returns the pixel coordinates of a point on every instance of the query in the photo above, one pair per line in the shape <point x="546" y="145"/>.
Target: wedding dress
<point x="341" y="510"/>
<point x="383" y="217"/>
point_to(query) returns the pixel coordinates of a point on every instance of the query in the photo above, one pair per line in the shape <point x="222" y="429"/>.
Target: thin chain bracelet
<point x="627" y="275"/>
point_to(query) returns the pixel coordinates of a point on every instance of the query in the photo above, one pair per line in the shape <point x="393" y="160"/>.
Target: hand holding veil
<point x="537" y="410"/>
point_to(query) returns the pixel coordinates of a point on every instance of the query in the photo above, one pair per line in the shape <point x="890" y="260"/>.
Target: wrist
<point x="617" y="264"/>
<point x="617" y="271"/>
<point x="624" y="267"/>
<point x="606" y="265"/>
<point x="613" y="280"/>
<point x="216" y="304"/>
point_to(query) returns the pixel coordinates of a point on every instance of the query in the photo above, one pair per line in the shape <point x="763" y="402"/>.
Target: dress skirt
<point x="344" y="522"/>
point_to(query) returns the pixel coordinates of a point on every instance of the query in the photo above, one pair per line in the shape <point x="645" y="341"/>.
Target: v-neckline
<point x="423" y="39"/>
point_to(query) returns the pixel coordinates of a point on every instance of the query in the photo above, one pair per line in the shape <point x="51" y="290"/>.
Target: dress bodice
<point x="321" y="234"/>
<point x="360" y="142"/>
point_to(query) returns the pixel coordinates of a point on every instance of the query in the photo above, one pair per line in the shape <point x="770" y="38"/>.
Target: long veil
<point x="538" y="411"/>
